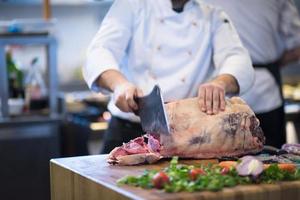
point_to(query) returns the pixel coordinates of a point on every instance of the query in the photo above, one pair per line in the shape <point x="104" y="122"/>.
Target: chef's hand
<point x="212" y="94"/>
<point x="124" y="97"/>
<point x="124" y="91"/>
<point x="290" y="56"/>
<point x="212" y="97"/>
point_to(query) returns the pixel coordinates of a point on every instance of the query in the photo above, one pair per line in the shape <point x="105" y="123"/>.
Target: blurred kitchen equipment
<point x="51" y="79"/>
<point x="35" y="87"/>
<point x="87" y="119"/>
<point x="28" y="141"/>
<point x="16" y="106"/>
<point x="27" y="26"/>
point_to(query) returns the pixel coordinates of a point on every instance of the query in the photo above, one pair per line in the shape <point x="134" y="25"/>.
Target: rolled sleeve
<point x="96" y="65"/>
<point x="290" y="25"/>
<point x="241" y="70"/>
<point x="109" y="45"/>
<point x="230" y="57"/>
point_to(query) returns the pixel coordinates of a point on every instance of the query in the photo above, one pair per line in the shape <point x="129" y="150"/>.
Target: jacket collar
<point x="165" y="7"/>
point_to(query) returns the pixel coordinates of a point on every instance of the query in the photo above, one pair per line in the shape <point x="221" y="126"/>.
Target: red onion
<point x="292" y="148"/>
<point x="250" y="166"/>
<point x="245" y="158"/>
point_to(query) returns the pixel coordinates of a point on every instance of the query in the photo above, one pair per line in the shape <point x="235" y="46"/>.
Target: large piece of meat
<point x="194" y="134"/>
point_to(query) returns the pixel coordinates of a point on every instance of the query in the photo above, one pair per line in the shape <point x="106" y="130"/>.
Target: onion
<point x="292" y="148"/>
<point x="250" y="166"/>
<point x="246" y="158"/>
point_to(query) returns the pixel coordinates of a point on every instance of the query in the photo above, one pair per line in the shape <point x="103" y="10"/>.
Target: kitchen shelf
<point x="56" y="2"/>
<point x="28" y="141"/>
<point x="28" y="39"/>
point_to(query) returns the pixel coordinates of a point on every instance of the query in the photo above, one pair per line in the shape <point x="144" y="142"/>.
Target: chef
<point x="186" y="47"/>
<point x="270" y="30"/>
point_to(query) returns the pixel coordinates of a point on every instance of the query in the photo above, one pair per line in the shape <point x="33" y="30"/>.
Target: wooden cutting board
<point x="90" y="177"/>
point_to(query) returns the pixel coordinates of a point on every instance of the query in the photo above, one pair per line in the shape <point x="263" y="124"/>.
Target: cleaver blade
<point x="152" y="113"/>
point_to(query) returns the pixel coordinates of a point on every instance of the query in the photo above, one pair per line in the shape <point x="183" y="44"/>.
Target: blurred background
<point x="44" y="50"/>
<point x="47" y="110"/>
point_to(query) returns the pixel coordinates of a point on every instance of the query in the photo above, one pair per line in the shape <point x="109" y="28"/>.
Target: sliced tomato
<point x="160" y="179"/>
<point x="194" y="173"/>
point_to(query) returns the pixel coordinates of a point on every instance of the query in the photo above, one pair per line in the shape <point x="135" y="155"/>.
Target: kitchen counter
<point x="90" y="177"/>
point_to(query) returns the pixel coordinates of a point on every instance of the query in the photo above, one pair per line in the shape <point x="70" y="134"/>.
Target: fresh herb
<point x="143" y="181"/>
<point x="178" y="177"/>
<point x="273" y="173"/>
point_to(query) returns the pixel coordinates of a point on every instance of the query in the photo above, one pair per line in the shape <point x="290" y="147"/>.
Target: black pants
<point x="119" y="131"/>
<point x="273" y="126"/>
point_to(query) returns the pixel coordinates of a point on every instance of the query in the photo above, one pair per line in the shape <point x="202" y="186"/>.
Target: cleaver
<point x="152" y="112"/>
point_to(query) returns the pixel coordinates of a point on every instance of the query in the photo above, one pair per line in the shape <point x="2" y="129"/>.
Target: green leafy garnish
<point x="273" y="173"/>
<point x="209" y="177"/>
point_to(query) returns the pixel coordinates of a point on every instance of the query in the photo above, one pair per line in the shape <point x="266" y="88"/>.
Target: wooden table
<point x="90" y="178"/>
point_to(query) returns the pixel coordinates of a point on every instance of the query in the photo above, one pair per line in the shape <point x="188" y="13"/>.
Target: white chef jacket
<point x="152" y="44"/>
<point x="267" y="29"/>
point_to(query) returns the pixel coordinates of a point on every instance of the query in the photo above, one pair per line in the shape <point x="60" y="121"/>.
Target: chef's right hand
<point x="124" y="95"/>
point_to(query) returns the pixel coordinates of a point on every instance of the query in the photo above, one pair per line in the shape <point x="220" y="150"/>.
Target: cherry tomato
<point x="160" y="179"/>
<point x="194" y="173"/>
<point x="225" y="170"/>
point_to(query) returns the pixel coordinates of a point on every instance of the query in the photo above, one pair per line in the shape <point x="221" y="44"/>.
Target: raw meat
<point x="194" y="134"/>
<point x="136" y="151"/>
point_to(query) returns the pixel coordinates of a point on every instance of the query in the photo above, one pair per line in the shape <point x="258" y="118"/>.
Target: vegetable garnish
<point x="250" y="166"/>
<point x="284" y="166"/>
<point x="179" y="177"/>
<point x="228" y="164"/>
<point x="194" y="173"/>
<point x="160" y="179"/>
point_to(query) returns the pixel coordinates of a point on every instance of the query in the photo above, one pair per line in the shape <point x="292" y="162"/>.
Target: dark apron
<point x="273" y="121"/>
<point x="274" y="69"/>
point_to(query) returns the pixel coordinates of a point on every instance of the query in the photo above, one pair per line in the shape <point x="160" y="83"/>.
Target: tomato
<point x="194" y="173"/>
<point x="160" y="179"/>
<point x="225" y="170"/>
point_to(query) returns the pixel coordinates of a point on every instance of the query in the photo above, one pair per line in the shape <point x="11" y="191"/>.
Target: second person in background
<point x="270" y="30"/>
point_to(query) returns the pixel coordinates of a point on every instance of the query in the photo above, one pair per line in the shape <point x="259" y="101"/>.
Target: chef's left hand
<point x="212" y="94"/>
<point x="212" y="97"/>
